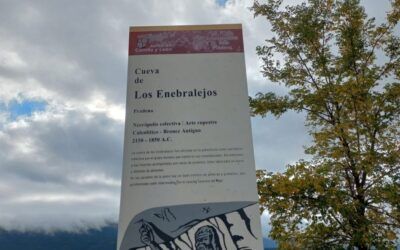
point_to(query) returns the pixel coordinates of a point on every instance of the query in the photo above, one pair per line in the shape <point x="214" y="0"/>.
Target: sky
<point x="63" y="68"/>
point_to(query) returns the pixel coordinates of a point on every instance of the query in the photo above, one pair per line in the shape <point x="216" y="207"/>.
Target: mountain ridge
<point x="104" y="238"/>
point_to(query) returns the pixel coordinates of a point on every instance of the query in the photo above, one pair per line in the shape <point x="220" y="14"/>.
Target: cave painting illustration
<point x="211" y="226"/>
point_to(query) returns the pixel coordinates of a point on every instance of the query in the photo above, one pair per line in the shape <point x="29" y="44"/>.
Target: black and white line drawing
<point x="211" y="226"/>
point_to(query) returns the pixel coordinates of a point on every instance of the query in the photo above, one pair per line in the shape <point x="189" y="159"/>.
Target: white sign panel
<point x="188" y="176"/>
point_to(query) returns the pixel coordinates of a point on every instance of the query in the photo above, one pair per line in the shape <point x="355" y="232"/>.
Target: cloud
<point x="65" y="165"/>
<point x="279" y="142"/>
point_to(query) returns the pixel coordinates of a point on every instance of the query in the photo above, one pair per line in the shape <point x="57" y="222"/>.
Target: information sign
<point x="188" y="172"/>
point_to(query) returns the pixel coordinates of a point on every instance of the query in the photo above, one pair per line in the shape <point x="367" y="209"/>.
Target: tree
<point x="342" y="71"/>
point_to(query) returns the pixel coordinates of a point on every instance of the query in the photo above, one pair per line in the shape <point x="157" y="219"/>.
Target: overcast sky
<point x="62" y="103"/>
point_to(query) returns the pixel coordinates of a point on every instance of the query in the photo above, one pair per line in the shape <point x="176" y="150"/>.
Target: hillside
<point x="102" y="239"/>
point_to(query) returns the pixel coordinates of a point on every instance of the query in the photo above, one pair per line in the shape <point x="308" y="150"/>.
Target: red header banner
<point x="153" y="42"/>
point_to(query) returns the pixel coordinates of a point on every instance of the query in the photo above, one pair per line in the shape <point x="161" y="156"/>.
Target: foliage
<point x="342" y="71"/>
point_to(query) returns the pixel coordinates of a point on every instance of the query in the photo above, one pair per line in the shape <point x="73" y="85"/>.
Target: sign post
<point x="188" y="174"/>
